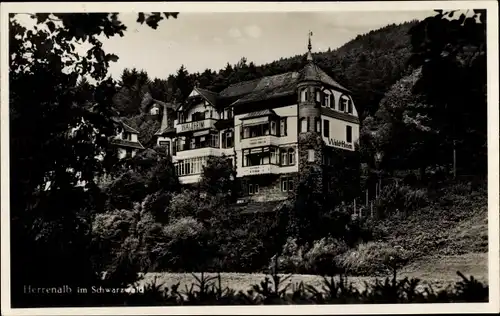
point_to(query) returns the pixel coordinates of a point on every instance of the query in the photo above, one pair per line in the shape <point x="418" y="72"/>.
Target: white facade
<point x="260" y="135"/>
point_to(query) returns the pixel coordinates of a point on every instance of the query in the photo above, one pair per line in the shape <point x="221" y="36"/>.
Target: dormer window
<point x="345" y="104"/>
<point x="349" y="107"/>
<point x="328" y="99"/>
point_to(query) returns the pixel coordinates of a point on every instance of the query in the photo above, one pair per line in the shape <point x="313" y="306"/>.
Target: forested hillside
<point x="133" y="216"/>
<point x="368" y="65"/>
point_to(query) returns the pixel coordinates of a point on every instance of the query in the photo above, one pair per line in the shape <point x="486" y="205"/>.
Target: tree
<point x="57" y="137"/>
<point x="218" y="177"/>
<point x="402" y="128"/>
<point x="134" y="86"/>
<point x="450" y="47"/>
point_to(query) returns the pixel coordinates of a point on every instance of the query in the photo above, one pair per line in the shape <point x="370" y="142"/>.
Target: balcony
<point x="197" y="151"/>
<point x="195" y="125"/>
<point x="258" y="170"/>
<point x="268" y="140"/>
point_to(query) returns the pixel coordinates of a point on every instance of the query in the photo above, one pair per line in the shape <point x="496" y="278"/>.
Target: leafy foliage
<point x="59" y="130"/>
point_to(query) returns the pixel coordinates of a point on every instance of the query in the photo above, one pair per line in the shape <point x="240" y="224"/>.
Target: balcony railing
<point x="195" y="125"/>
<point x="197" y="146"/>
<point x="268" y="140"/>
<point x="259" y="169"/>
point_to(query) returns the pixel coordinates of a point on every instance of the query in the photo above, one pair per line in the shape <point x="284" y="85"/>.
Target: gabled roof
<point x="166" y="130"/>
<point x="260" y="89"/>
<point x="210" y="96"/>
<point x="126" y="143"/>
<point x="239" y="89"/>
<point x="271" y="87"/>
<point x="129" y="129"/>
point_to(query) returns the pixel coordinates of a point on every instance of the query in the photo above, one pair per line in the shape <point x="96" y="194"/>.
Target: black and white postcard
<point x="249" y="158"/>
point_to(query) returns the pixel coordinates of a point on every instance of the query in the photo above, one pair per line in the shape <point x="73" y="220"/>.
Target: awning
<point x="255" y="121"/>
<point x="257" y="114"/>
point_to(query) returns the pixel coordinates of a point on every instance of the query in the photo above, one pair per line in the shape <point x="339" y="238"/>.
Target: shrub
<point x="157" y="204"/>
<point x="323" y="257"/>
<point x="397" y="198"/>
<point x="128" y="188"/>
<point x="185" y="247"/>
<point x="374" y="258"/>
<point x="291" y="258"/>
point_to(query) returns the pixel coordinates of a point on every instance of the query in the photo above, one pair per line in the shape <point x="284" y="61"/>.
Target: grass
<point x="453" y="229"/>
<point x="439" y="272"/>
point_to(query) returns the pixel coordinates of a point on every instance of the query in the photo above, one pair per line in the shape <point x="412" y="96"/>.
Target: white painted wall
<point x="190" y="179"/>
<point x="134" y="136"/>
<point x="200" y="107"/>
<point x="337" y="95"/>
<point x="290" y="112"/>
<point x="338" y="130"/>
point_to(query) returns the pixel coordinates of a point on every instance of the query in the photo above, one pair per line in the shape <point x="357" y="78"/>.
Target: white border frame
<point x="493" y="151"/>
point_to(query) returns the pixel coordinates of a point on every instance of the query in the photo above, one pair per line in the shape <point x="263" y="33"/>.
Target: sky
<point x="201" y="40"/>
<point x="211" y="40"/>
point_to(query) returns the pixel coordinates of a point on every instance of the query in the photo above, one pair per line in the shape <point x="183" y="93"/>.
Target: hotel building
<point x="274" y="129"/>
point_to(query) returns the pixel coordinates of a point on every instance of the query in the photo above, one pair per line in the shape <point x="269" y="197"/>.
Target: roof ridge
<point x="123" y="122"/>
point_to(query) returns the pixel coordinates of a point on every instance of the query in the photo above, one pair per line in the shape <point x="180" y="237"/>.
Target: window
<point x="349" y="106"/>
<point x="318" y="125"/>
<point x="273" y="128"/>
<point x="287" y="184"/>
<point x="260" y="156"/>
<point x="284" y="158"/>
<point x="303" y="95"/>
<point x="303" y="125"/>
<point x="166" y="145"/>
<point x="128" y="153"/>
<point x="344" y="104"/>
<point x="191" y="166"/>
<point x="127" y="136"/>
<point x="318" y="96"/>
<point x="227" y="139"/>
<point x="253" y="188"/>
<point x="260" y="130"/>
<point x="227" y="114"/>
<point x="283" y="127"/>
<point x="287" y="156"/>
<point x="326" y="128"/>
<point x="199" y="116"/>
<point x="291" y="156"/>
<point x="275" y="159"/>
<point x="348" y="134"/>
<point x="310" y="155"/>
<point x="327" y="98"/>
